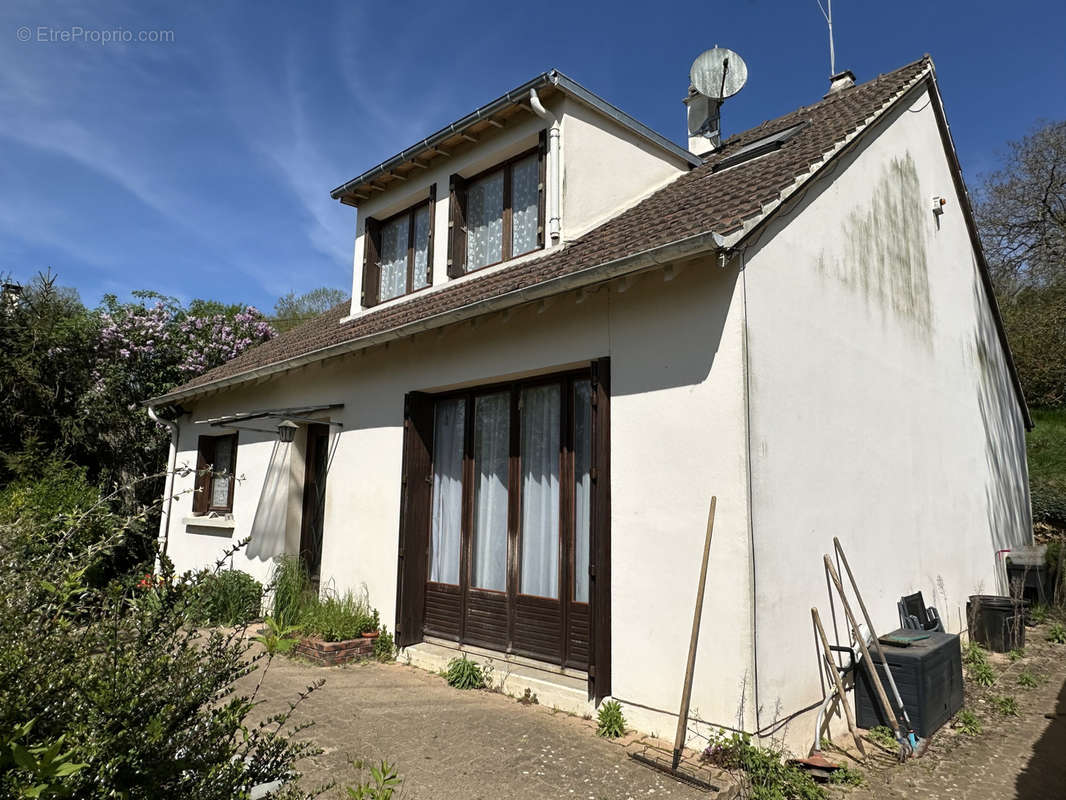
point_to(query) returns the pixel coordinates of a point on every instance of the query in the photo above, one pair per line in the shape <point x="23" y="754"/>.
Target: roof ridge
<point x="729" y="204"/>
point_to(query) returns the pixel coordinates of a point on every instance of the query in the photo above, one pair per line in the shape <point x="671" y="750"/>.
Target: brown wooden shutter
<point x="371" y="265"/>
<point x="232" y="470"/>
<point x="205" y="457"/>
<point x="432" y="217"/>
<point x="416" y="491"/>
<point x="456" y="226"/>
<point x="542" y="186"/>
<point x="600" y="534"/>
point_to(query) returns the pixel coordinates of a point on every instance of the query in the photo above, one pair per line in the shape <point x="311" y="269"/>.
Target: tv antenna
<point x="828" y="14"/>
<point x="716" y="75"/>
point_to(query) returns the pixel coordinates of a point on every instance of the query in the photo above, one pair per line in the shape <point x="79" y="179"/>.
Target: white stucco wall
<point x="880" y="407"/>
<point x="676" y="435"/>
<point x="606" y="168"/>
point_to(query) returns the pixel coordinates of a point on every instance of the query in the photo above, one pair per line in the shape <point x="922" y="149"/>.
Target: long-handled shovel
<point x="871" y="669"/>
<point x="911" y="736"/>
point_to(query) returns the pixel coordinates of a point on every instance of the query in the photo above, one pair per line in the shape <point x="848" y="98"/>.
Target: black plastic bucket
<point x="997" y="623"/>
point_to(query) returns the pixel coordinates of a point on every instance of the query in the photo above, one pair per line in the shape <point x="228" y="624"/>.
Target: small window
<point x="216" y="462"/>
<point x="497" y="215"/>
<point x="398" y="254"/>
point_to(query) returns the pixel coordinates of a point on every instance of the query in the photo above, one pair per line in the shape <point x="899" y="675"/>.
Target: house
<point x="567" y="333"/>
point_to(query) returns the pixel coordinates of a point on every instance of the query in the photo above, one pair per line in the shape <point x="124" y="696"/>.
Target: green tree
<point x="292" y="309"/>
<point x="1021" y="211"/>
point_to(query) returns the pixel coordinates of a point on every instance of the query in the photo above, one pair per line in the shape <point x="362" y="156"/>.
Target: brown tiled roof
<point x="699" y="201"/>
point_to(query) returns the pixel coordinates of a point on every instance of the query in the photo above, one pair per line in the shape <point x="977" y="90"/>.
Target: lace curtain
<point x="394" y="258"/>
<point x="492" y="433"/>
<point x="421" y="248"/>
<point x="445" y="539"/>
<point x="525" y="180"/>
<point x="540" y="491"/>
<point x="582" y="487"/>
<point x="484" y="221"/>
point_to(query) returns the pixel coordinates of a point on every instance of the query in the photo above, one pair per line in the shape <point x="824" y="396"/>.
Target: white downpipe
<point x="555" y="194"/>
<point x="164" y="525"/>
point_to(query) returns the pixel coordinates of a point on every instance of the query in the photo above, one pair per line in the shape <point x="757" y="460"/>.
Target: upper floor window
<point x="398" y="253"/>
<point x="498" y="214"/>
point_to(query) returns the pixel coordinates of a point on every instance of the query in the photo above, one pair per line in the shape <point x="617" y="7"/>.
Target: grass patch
<point x="462" y="673"/>
<point x="967" y="722"/>
<point x="1016" y="655"/>
<point x="336" y="618"/>
<point x="1006" y="705"/>
<point x="846" y="776"/>
<point x="1027" y="680"/>
<point x="976" y="661"/>
<point x="1046" y="451"/>
<point x="610" y="723"/>
<point x="761" y="772"/>
<point x="883" y="737"/>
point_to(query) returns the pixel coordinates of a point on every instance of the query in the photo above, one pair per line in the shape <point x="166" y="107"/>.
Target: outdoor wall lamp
<point x="287" y="431"/>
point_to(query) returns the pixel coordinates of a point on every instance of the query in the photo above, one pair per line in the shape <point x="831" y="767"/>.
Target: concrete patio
<point x="448" y="743"/>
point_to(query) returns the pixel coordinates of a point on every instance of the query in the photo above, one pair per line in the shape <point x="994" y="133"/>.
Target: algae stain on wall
<point x="883" y="256"/>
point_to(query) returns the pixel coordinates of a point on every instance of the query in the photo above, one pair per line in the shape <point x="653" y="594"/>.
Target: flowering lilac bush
<point x="154" y="347"/>
<point x="145" y="348"/>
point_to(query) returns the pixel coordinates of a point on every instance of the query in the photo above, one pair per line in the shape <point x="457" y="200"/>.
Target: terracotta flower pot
<point x="370" y="634"/>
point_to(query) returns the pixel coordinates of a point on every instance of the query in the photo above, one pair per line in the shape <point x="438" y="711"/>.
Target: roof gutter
<point x="689" y="247"/>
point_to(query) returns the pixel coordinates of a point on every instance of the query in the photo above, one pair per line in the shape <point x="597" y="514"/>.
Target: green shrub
<point x="118" y="679"/>
<point x="335" y="619"/>
<point x="1057" y="634"/>
<point x="761" y="772"/>
<point x="609" y="722"/>
<point x="58" y="511"/>
<point x="1016" y="655"/>
<point x="382" y="783"/>
<point x="228" y="597"/>
<point x="1038" y="614"/>
<point x="462" y="673"/>
<point x="291" y="589"/>
<point x="384" y="646"/>
<point x="277" y="638"/>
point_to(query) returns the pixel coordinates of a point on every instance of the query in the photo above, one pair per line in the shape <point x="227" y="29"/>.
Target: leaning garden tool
<point x="907" y="748"/>
<point x="658" y="760"/>
<point x="905" y="718"/>
<point x="840" y="694"/>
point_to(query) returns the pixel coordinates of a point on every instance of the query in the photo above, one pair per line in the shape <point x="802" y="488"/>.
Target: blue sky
<point x="201" y="167"/>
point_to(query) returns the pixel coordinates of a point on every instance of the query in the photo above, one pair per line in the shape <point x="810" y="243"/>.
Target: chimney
<point x="840" y="81"/>
<point x="704" y="128"/>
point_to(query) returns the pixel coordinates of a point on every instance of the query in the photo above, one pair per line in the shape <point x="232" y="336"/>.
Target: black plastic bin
<point x="996" y="622"/>
<point x="928" y="675"/>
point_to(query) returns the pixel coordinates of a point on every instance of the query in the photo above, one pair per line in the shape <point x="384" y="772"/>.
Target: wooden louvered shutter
<point x="371" y="262"/>
<point x="542" y="187"/>
<point x="456" y="226"/>
<point x="432" y="226"/>
<point x="205" y="457"/>
<point x="600" y="535"/>
<point x="416" y="491"/>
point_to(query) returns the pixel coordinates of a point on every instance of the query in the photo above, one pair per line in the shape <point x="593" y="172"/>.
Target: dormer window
<point x="398" y="253"/>
<point x="497" y="214"/>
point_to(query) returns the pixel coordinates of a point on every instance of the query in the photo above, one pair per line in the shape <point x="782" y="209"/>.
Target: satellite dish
<point x="718" y="73"/>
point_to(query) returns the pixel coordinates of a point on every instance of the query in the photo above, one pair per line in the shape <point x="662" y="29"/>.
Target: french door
<point x="501" y="498"/>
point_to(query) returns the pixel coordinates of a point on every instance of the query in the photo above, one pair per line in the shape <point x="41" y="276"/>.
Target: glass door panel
<point x="582" y="487"/>
<point x="449" y="429"/>
<point x="492" y="437"/>
<point x="539" y="534"/>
